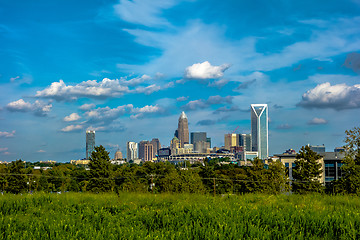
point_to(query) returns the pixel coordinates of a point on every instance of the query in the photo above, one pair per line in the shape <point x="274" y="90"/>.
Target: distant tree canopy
<point x="350" y="181"/>
<point x="307" y="172"/>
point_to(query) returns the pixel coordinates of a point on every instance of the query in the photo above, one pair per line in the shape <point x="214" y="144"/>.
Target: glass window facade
<point x="259" y="129"/>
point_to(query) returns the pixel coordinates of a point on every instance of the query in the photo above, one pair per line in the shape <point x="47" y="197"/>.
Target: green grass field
<point x="146" y="216"/>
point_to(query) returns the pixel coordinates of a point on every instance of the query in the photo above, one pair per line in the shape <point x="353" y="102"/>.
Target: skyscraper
<point x="259" y="129"/>
<point x="245" y="142"/>
<point x="145" y="151"/>
<point x="230" y="140"/>
<point x="197" y="137"/>
<point x="156" y="146"/>
<point x="90" y="142"/>
<point x="131" y="151"/>
<point x="183" y="130"/>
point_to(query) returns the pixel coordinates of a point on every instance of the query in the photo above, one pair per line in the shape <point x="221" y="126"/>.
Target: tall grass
<point x="180" y="216"/>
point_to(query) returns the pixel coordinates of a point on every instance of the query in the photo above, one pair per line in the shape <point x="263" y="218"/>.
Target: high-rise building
<point x="131" y="151"/>
<point x="90" y="143"/>
<point x="245" y="142"/>
<point x="183" y="130"/>
<point x="145" y="151"/>
<point x="231" y="140"/>
<point x="156" y="146"/>
<point x="197" y="137"/>
<point x="201" y="147"/>
<point x="317" y="148"/>
<point x="259" y="129"/>
<point x="174" y="145"/>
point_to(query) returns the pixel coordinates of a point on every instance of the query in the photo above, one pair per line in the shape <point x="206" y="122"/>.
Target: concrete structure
<point x="260" y="129"/>
<point x="131" y="151"/>
<point x="202" y="147"/>
<point x="197" y="137"/>
<point x="156" y="146"/>
<point x="196" y="157"/>
<point x="247" y="155"/>
<point x="332" y="164"/>
<point x="174" y="145"/>
<point x="231" y="140"/>
<point x="145" y="151"/>
<point x="317" y="148"/>
<point x="118" y="155"/>
<point x="90" y="143"/>
<point x="245" y="141"/>
<point x="79" y="162"/>
<point x="289" y="161"/>
<point x="183" y="130"/>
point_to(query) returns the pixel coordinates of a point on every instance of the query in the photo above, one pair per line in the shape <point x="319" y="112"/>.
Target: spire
<point x="183" y="115"/>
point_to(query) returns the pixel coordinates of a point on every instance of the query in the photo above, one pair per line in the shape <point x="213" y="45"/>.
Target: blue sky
<point x="128" y="68"/>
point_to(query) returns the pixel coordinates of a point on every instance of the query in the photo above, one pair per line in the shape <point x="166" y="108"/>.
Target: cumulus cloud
<point x="148" y="109"/>
<point x="41" y="151"/>
<point x="205" y="71"/>
<point x="72" y="117"/>
<point x="103" y="89"/>
<point x="86" y="107"/>
<point x="38" y="108"/>
<point x="317" y="121"/>
<point x="245" y="85"/>
<point x="206" y="122"/>
<point x="3" y="149"/>
<point x="182" y="99"/>
<point x="13" y="79"/>
<point x="7" y="134"/>
<point x="339" y="97"/>
<point x="212" y="100"/>
<point x="107" y="114"/>
<point x="219" y="83"/>
<point x="72" y="128"/>
<point x="353" y="61"/>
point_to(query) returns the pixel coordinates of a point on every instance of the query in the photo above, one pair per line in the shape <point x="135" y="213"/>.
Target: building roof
<point x="183" y="115"/>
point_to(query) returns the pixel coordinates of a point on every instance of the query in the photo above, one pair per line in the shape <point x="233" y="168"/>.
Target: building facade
<point x="146" y="151"/>
<point x="231" y="140"/>
<point x="90" y="143"/>
<point x="131" y="151"/>
<point x="197" y="137"/>
<point x="245" y="141"/>
<point x="183" y="130"/>
<point x="259" y="129"/>
<point x="156" y="146"/>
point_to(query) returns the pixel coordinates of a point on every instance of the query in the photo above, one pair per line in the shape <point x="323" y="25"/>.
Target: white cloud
<point x="104" y="89"/>
<point x="7" y="134"/>
<point x="13" y="79"/>
<point x="72" y="117"/>
<point x="181" y="99"/>
<point x="317" y="121"/>
<point x="205" y="71"/>
<point x="72" y="128"/>
<point x="144" y="12"/>
<point x="107" y="114"/>
<point x="148" y="109"/>
<point x="3" y="149"/>
<point x="86" y="107"/>
<point x="339" y="97"/>
<point x="212" y="100"/>
<point x="41" y="151"/>
<point x="39" y="108"/>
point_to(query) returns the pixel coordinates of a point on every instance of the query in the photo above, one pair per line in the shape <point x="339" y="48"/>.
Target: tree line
<point x="206" y="177"/>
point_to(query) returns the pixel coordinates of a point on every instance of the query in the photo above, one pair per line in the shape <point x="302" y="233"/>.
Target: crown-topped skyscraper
<point x="183" y="130"/>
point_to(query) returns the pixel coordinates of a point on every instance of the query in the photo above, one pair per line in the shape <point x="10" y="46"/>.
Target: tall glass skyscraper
<point x="131" y="151"/>
<point x="90" y="143"/>
<point x="259" y="129"/>
<point x="183" y="130"/>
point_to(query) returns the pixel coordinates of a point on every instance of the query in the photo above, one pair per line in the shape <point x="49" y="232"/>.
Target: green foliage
<point x="178" y="216"/>
<point x="307" y="172"/>
<point x="100" y="171"/>
<point x="16" y="180"/>
<point x="350" y="181"/>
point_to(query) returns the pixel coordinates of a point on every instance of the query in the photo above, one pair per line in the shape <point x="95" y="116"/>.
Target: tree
<point x="100" y="171"/>
<point x="307" y="172"/>
<point x="350" y="181"/>
<point x="17" y="182"/>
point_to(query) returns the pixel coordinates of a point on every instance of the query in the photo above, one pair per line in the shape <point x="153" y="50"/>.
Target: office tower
<point x="131" y="151"/>
<point x="145" y="151"/>
<point x="259" y="129"/>
<point x="156" y="146"/>
<point x="201" y="147"/>
<point x="245" y="142"/>
<point x="174" y="145"/>
<point x="197" y="137"/>
<point x="208" y="140"/>
<point x="90" y="143"/>
<point x="183" y="130"/>
<point x="118" y="155"/>
<point x="231" y="141"/>
<point x="317" y="148"/>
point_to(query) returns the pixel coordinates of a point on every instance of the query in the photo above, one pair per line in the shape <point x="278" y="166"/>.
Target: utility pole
<point x="152" y="183"/>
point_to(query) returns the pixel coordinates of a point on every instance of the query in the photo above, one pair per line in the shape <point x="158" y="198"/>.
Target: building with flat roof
<point x="131" y="151"/>
<point x="231" y="140"/>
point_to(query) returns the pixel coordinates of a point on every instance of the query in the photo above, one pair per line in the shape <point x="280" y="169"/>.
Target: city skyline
<point x="127" y="69"/>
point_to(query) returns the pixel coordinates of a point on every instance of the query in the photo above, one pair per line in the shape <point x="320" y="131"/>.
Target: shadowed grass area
<point x="178" y="216"/>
